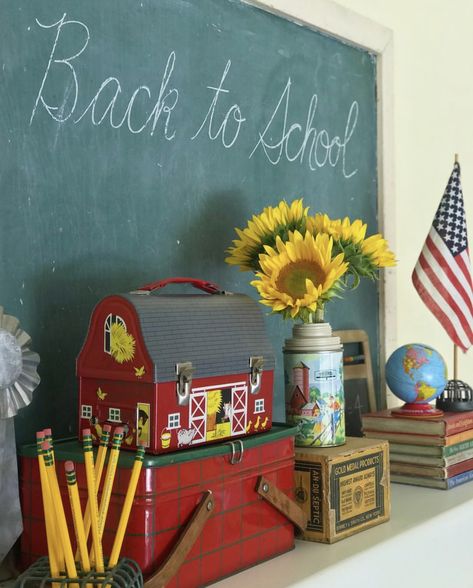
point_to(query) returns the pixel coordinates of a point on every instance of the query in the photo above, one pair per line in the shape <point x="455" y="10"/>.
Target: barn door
<point x="239" y="396"/>
<point x="198" y="416"/>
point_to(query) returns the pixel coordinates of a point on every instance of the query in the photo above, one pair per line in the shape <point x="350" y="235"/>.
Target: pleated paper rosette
<point x="18" y="367"/>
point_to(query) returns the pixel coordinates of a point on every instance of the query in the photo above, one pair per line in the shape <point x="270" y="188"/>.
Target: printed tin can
<point x="313" y="375"/>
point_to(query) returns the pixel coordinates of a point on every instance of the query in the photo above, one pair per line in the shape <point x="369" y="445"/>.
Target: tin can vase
<point x="313" y="375"/>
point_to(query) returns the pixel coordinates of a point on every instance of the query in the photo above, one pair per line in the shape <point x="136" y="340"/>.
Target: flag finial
<point x="456" y="158"/>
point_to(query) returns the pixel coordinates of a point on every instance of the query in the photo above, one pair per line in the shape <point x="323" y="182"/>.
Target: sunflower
<point x="298" y="276"/>
<point x="122" y="344"/>
<point x="340" y="230"/>
<point x="377" y="249"/>
<point x="364" y="255"/>
<point x="262" y="230"/>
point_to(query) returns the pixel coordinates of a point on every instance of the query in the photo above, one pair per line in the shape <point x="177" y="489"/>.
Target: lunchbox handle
<point x="209" y="287"/>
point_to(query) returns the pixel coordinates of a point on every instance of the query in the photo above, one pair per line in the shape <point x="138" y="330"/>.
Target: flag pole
<point x="455" y="347"/>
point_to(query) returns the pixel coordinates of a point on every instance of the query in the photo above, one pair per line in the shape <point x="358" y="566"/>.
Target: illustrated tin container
<point x="313" y="374"/>
<point x="176" y="370"/>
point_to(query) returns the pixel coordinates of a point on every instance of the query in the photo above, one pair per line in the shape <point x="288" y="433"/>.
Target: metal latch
<point x="256" y="373"/>
<point x="237" y="454"/>
<point x="184" y="373"/>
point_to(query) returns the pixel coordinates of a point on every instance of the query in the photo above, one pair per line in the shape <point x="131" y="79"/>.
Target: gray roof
<point x="218" y="333"/>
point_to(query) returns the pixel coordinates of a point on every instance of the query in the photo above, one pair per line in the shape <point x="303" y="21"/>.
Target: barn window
<point x="107" y="327"/>
<point x="174" y="421"/>
<point x="259" y="405"/>
<point x="114" y="415"/>
<point x="86" y="411"/>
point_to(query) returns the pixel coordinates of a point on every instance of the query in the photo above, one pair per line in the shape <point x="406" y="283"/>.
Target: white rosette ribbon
<point x="18" y="379"/>
<point x="18" y="367"/>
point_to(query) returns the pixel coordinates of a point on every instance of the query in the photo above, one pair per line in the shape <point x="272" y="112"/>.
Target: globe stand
<point x="457" y="397"/>
<point x="417" y="410"/>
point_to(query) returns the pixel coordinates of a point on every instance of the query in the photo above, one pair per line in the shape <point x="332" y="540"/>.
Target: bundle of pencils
<point x="61" y="555"/>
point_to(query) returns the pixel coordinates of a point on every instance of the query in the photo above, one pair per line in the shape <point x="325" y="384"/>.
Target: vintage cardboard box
<point x="344" y="489"/>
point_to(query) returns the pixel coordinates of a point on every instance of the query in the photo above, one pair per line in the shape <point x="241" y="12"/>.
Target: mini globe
<point x="416" y="374"/>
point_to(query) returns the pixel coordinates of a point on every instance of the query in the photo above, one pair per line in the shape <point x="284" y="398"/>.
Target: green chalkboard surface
<point x="135" y="136"/>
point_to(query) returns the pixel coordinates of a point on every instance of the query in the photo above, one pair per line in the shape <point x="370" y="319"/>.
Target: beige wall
<point x="433" y="119"/>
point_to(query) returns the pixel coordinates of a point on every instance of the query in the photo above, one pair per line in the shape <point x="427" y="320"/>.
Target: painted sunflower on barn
<point x="302" y="261"/>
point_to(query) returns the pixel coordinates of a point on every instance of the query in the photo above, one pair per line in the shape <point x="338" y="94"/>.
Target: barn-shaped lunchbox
<point x="176" y="370"/>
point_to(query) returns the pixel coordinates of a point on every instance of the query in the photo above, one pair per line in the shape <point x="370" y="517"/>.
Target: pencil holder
<point x="126" y="574"/>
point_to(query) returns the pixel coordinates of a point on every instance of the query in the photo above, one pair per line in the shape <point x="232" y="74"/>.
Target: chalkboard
<point x="136" y="135"/>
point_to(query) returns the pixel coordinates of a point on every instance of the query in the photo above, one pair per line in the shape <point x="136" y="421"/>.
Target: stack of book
<point x="437" y="453"/>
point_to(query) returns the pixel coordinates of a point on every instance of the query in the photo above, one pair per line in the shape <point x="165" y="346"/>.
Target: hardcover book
<point x="449" y="424"/>
<point x="431" y="460"/>
<point x="431" y="471"/>
<point x="416" y="439"/>
<point x="431" y="450"/>
<point x="445" y="484"/>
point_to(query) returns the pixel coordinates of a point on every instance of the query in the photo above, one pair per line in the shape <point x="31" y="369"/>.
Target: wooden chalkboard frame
<point x="328" y="17"/>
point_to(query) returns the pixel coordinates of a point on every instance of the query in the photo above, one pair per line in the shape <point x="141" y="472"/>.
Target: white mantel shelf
<point x="428" y="543"/>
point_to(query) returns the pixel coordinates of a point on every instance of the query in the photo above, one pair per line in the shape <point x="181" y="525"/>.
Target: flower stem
<point x="318" y="315"/>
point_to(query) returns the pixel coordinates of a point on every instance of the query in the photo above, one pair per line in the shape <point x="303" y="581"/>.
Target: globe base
<point x="418" y="410"/>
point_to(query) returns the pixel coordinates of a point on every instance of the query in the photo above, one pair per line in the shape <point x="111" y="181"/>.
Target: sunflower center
<point x="292" y="277"/>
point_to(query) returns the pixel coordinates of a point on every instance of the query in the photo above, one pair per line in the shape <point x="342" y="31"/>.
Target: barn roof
<point x="218" y="333"/>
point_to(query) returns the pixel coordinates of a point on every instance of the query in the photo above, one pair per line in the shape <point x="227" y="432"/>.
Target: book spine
<point x="459" y="479"/>
<point x="457" y="448"/>
<point x="459" y="468"/>
<point x="458" y="423"/>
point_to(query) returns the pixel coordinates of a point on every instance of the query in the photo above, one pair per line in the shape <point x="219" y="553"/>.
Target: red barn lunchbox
<point x="176" y="370"/>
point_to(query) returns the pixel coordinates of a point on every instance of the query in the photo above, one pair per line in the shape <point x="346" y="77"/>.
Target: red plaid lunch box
<point x="198" y="515"/>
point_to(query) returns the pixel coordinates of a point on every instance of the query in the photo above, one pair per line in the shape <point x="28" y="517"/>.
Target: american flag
<point x="442" y="274"/>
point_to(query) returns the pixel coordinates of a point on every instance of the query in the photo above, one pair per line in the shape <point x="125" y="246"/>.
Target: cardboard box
<point x="343" y="490"/>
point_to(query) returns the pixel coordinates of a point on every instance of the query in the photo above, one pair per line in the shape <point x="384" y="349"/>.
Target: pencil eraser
<point x="48" y="432"/>
<point x="45" y="445"/>
<point x="69" y="466"/>
<point x="118" y="431"/>
<point x="107" y="428"/>
<point x="86" y="432"/>
<point x="39" y="435"/>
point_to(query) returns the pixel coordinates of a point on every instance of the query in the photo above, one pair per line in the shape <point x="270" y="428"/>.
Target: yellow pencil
<point x="59" y="509"/>
<point x="130" y="494"/>
<point x="110" y="477"/>
<point x="48" y="436"/>
<point x="49" y="518"/>
<point x="77" y="515"/>
<point x="99" y="463"/>
<point x="91" y="489"/>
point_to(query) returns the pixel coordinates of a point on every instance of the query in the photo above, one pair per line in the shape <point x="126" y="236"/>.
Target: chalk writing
<point x="233" y="111"/>
<point x="321" y="148"/>
<point x="164" y="105"/>
<point x="307" y="142"/>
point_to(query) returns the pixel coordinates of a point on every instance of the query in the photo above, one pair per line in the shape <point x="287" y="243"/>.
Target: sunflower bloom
<point x="377" y="249"/>
<point x="122" y="344"/>
<point x="340" y="230"/>
<point x="262" y="230"/>
<point x="299" y="275"/>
